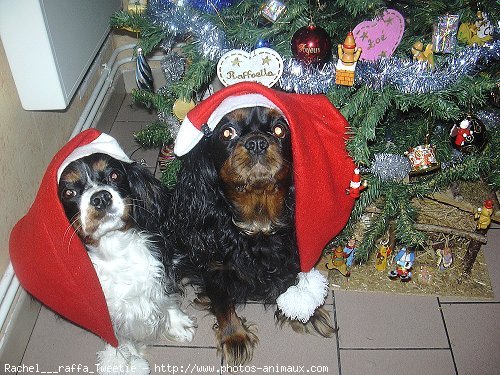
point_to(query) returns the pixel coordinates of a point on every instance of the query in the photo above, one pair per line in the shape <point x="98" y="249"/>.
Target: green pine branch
<point x="155" y="135"/>
<point x="162" y="103"/>
<point x="198" y="73"/>
<point x="150" y="35"/>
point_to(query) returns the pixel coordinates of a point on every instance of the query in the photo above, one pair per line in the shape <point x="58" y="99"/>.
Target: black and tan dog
<point x="234" y="212"/>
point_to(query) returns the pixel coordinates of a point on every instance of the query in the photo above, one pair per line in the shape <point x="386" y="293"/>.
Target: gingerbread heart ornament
<point x="380" y="37"/>
<point x="262" y="65"/>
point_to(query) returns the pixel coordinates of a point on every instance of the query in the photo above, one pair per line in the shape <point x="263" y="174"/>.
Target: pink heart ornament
<point x="379" y="38"/>
<point x="262" y="65"/>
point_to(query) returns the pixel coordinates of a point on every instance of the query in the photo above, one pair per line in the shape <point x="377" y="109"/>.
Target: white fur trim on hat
<point x="189" y="134"/>
<point x="104" y="144"/>
<point x="300" y="301"/>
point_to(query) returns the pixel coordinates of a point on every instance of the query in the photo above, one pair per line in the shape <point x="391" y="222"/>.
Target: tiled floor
<point x="377" y="333"/>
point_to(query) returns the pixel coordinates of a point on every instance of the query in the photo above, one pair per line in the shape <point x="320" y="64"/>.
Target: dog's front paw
<point x="236" y="342"/>
<point x="124" y="360"/>
<point x="181" y="326"/>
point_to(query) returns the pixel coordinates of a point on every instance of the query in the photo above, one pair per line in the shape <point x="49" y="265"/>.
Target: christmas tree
<point x="407" y="99"/>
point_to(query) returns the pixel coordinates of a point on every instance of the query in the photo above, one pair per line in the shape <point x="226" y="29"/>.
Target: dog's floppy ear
<point x="149" y="196"/>
<point x="198" y="191"/>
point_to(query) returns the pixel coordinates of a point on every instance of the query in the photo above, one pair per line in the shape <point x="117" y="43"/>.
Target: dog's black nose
<point x="256" y="145"/>
<point x="101" y="199"/>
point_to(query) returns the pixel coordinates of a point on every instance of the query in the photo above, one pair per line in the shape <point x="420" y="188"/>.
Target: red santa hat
<point x="49" y="259"/>
<point x="488" y="204"/>
<point x="322" y="166"/>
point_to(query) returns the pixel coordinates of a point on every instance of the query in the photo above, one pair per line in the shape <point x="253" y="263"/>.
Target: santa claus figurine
<point x="355" y="186"/>
<point x="463" y="133"/>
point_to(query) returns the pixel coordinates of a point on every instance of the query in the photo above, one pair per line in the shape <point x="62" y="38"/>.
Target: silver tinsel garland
<point x="180" y="20"/>
<point x="173" y="66"/>
<point x="173" y="124"/>
<point x="408" y="76"/>
<point x="490" y="119"/>
<point x="390" y="166"/>
<point x="456" y="158"/>
<point x="415" y="77"/>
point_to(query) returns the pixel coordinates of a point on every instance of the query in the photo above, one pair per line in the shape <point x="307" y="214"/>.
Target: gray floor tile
<point x="56" y="342"/>
<point x="474" y="331"/>
<point x="130" y="111"/>
<point x="122" y="132"/>
<point x="492" y="255"/>
<point x="283" y="347"/>
<point x="110" y="107"/>
<point x="397" y="362"/>
<point x="149" y="157"/>
<point x="378" y="320"/>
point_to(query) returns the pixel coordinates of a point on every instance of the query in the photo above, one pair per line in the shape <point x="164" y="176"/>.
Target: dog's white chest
<point x="131" y="278"/>
<point x="125" y="266"/>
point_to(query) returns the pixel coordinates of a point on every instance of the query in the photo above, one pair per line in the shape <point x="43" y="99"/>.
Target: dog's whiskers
<point x="139" y="206"/>
<point x="71" y="226"/>
<point x="73" y="233"/>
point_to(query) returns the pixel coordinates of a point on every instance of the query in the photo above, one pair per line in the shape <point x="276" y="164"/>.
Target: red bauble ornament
<point x="311" y="45"/>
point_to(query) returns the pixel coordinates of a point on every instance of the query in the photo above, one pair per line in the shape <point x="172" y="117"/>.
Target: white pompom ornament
<point x="300" y="301"/>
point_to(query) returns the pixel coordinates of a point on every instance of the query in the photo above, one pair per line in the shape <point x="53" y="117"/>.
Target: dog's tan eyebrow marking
<point x="238" y="114"/>
<point x="100" y="165"/>
<point x="273" y="112"/>
<point x="72" y="176"/>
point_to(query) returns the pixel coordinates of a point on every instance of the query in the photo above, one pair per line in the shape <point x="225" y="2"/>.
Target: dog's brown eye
<point x="279" y="131"/>
<point x="68" y="193"/>
<point x="228" y="133"/>
<point x="115" y="176"/>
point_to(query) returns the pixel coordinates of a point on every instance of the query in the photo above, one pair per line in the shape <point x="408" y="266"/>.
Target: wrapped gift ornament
<point x="444" y="35"/>
<point x="422" y="159"/>
<point x="272" y="9"/>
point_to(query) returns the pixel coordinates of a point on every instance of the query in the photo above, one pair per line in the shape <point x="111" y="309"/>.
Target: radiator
<point x="50" y="45"/>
